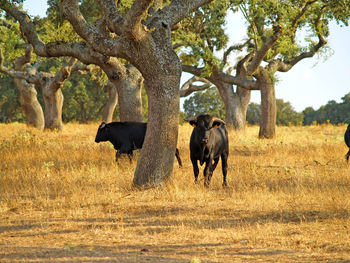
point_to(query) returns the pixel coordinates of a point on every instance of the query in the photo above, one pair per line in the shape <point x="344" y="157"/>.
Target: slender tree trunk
<point x="155" y="163"/>
<point x="236" y="105"/>
<point x="28" y="94"/>
<point x="53" y="99"/>
<point x="108" y="109"/>
<point x="30" y="104"/>
<point x="268" y="105"/>
<point x="129" y="95"/>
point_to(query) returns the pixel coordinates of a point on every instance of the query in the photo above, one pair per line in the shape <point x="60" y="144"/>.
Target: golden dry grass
<point x="64" y="199"/>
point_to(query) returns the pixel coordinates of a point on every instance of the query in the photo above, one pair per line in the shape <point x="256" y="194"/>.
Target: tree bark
<point x="268" y="105"/>
<point x="28" y="94"/>
<point x="155" y="163"/>
<point x="53" y="99"/>
<point x="236" y="105"/>
<point x="30" y="104"/>
<point x="109" y="107"/>
<point x="129" y="95"/>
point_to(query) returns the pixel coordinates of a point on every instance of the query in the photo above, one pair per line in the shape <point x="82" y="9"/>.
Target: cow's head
<point x="203" y="126"/>
<point x="102" y="133"/>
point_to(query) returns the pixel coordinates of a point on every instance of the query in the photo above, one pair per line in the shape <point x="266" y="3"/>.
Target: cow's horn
<point x="103" y="125"/>
<point x="191" y="119"/>
<point x="219" y="120"/>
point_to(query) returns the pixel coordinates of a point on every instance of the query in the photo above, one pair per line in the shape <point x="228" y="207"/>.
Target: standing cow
<point x="209" y="142"/>
<point x="125" y="137"/>
<point x="347" y="141"/>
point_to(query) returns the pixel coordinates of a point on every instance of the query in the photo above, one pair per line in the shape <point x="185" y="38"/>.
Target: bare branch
<point x="232" y="48"/>
<point x="188" y="87"/>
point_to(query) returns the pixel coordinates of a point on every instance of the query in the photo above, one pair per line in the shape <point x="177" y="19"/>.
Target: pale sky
<point x="313" y="82"/>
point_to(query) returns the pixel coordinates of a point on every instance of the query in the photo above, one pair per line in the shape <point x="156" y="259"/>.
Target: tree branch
<point x="89" y="33"/>
<point x="232" y="48"/>
<point x="188" y="87"/>
<point x="261" y="53"/>
<point x="179" y="9"/>
<point x="132" y="26"/>
<point x="113" y="19"/>
<point x="286" y="66"/>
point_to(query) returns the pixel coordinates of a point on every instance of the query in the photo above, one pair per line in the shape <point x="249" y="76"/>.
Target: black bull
<point x="209" y="142"/>
<point x="125" y="137"/>
<point x="347" y="141"/>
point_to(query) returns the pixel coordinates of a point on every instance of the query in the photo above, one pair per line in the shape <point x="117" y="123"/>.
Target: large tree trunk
<point x="28" y="94"/>
<point x="155" y="163"/>
<point x="129" y="95"/>
<point x="236" y="105"/>
<point x="268" y="105"/>
<point x="53" y="99"/>
<point x="30" y="104"/>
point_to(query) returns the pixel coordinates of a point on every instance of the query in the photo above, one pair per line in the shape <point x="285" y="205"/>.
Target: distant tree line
<point x="209" y="101"/>
<point x="332" y="112"/>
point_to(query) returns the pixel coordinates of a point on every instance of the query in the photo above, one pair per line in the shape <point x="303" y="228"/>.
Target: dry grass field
<point x="64" y="199"/>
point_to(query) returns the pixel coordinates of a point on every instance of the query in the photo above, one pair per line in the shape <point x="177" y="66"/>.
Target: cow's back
<point x="129" y="133"/>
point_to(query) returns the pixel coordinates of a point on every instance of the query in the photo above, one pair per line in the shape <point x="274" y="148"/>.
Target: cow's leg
<point x="177" y="155"/>
<point x="347" y="156"/>
<point x="212" y="168"/>
<point x="207" y="169"/>
<point x="224" y="168"/>
<point x="195" y="168"/>
<point x="117" y="155"/>
<point x="130" y="154"/>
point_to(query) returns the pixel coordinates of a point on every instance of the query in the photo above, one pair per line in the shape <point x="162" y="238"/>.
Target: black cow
<point x="125" y="137"/>
<point x="209" y="141"/>
<point x="347" y="141"/>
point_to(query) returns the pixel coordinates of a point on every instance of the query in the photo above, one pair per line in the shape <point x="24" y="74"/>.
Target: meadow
<point x="64" y="199"/>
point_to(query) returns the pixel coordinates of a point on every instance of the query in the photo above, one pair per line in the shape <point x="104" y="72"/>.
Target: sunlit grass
<point x="288" y="199"/>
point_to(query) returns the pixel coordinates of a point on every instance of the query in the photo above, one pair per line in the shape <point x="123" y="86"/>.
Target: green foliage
<point x="253" y="113"/>
<point x="332" y="112"/>
<point x="202" y="34"/>
<point x="83" y="100"/>
<point x="10" y="108"/>
<point x="207" y="101"/>
<point x="10" y="41"/>
<point x="286" y="115"/>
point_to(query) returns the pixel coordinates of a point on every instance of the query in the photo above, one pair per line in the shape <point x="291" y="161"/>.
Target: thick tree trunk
<point x="53" y="99"/>
<point x="109" y="107"/>
<point x="268" y="105"/>
<point x="129" y="95"/>
<point x="155" y="163"/>
<point x="30" y="104"/>
<point x="28" y="94"/>
<point x="236" y="105"/>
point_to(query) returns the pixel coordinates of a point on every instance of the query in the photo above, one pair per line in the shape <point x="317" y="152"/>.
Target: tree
<point x="63" y="41"/>
<point x="144" y="39"/>
<point x="271" y="47"/>
<point x="28" y="94"/>
<point x="332" y="112"/>
<point x="273" y="25"/>
<point x="203" y="36"/>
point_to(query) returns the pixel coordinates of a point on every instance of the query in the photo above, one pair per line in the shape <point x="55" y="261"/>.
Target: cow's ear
<point x="216" y="124"/>
<point x="193" y="123"/>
